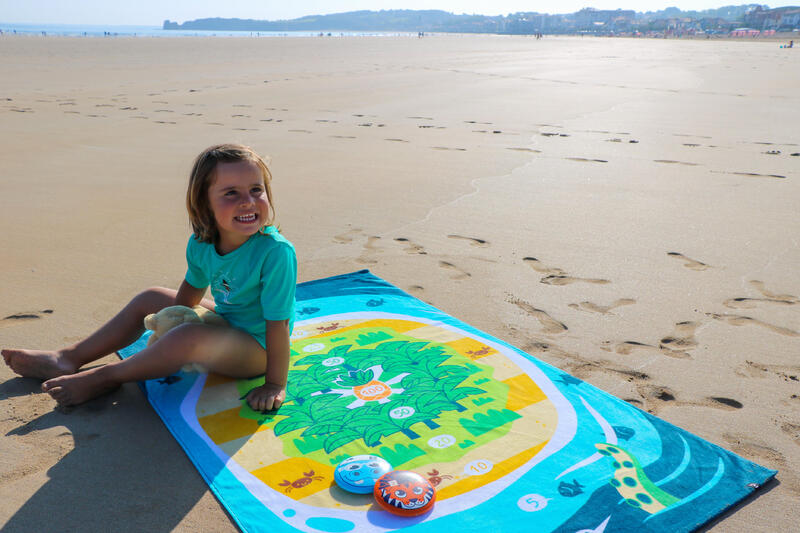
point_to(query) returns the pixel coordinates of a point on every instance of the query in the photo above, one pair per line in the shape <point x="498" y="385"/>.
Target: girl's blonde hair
<point x="203" y="174"/>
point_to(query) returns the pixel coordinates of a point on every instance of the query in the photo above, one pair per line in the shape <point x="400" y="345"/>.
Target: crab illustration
<point x="437" y="478"/>
<point x="477" y="353"/>
<point x="332" y="327"/>
<point x="307" y="478"/>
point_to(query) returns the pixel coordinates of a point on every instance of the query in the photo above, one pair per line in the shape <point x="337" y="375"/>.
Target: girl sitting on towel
<point x="252" y="271"/>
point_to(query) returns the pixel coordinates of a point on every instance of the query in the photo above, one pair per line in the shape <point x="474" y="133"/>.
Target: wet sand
<point x="623" y="209"/>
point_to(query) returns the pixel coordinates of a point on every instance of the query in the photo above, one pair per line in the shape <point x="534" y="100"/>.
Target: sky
<point x="154" y="12"/>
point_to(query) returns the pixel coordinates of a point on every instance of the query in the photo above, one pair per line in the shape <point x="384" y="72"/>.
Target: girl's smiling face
<point x="238" y="199"/>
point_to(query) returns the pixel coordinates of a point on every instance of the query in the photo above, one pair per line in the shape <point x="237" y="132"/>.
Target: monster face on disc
<point x="405" y="493"/>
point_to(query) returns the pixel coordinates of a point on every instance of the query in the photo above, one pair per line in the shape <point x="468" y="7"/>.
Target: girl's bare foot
<point x="38" y="364"/>
<point x="78" y="388"/>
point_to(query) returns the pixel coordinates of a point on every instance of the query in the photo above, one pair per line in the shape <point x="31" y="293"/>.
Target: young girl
<point x="252" y="271"/>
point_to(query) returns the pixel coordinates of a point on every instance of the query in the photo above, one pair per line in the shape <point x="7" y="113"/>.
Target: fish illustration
<point x="566" y="379"/>
<point x="308" y="310"/>
<point x="375" y="303"/>
<point x="570" y="490"/>
<point x="624" y="432"/>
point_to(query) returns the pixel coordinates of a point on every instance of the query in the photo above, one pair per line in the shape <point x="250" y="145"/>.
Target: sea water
<point x="87" y="30"/>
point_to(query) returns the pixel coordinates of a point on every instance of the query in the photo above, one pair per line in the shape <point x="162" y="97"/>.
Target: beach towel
<point x="509" y="442"/>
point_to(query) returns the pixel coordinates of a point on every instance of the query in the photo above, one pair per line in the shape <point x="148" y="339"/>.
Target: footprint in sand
<point x="681" y="340"/>
<point x="676" y="345"/>
<point x="628" y="347"/>
<point x="755" y="175"/>
<point x="759" y="370"/>
<point x="550" y="324"/>
<point x="473" y="241"/>
<point x="741" y="320"/>
<point x="411" y="248"/>
<point x="793" y="430"/>
<point x="538" y="266"/>
<point x="722" y="403"/>
<point x="457" y="273"/>
<point x="744" y="445"/>
<point x="585" y="160"/>
<point x="602" y="309"/>
<point x="560" y="279"/>
<point x="521" y="149"/>
<point x="416" y="289"/>
<point x="689" y="263"/>
<point x="653" y="397"/>
<point x="557" y="276"/>
<point x="369" y="249"/>
<point x="672" y="162"/>
<point x="656" y="396"/>
<point x="769" y="297"/>
<point x="25" y="316"/>
<point x="346" y="237"/>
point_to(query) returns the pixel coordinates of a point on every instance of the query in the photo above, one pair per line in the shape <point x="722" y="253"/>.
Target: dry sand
<point x="626" y="210"/>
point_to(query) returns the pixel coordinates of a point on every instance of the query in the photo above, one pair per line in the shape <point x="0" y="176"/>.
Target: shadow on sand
<point x="125" y="472"/>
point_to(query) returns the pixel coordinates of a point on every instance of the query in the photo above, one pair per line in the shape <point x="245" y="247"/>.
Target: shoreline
<point x="778" y="37"/>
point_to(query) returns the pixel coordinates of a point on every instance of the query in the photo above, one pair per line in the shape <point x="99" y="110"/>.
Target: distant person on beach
<point x="251" y="269"/>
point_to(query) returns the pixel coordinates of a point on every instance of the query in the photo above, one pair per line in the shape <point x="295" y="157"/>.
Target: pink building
<point x="745" y="32"/>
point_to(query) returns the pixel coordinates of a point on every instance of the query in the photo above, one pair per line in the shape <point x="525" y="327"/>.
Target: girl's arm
<point x="272" y="394"/>
<point x="189" y="295"/>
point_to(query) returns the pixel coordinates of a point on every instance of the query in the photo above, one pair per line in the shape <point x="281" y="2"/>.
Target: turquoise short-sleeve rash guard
<point x="254" y="283"/>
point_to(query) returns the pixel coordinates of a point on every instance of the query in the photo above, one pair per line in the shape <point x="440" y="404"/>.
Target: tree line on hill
<point x="589" y="20"/>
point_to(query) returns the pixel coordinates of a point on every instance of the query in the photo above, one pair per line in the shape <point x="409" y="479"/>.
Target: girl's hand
<point x="266" y="397"/>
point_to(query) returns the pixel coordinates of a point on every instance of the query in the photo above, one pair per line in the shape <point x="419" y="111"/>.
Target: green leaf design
<point x="340" y="439"/>
<point x="355" y="378"/>
<point x="372" y="337"/>
<point x="314" y="411"/>
<point x="317" y="358"/>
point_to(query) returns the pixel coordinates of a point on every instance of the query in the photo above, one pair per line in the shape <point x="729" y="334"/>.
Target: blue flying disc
<point x="359" y="473"/>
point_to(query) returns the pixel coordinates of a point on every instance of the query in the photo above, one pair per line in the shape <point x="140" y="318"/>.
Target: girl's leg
<point x="120" y="331"/>
<point x="223" y="350"/>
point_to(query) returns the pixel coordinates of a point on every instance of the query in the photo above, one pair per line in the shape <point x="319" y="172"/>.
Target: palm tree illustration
<point x="319" y="412"/>
<point x="344" y="401"/>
